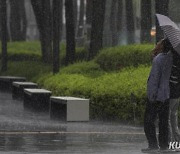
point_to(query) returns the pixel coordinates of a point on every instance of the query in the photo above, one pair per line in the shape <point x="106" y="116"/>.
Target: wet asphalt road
<point x="23" y="131"/>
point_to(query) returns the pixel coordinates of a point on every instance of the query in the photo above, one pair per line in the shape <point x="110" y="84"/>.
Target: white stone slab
<point x="18" y="84"/>
<point x="66" y="98"/>
<point x="77" y="108"/>
<point x="7" y="78"/>
<point x="36" y="91"/>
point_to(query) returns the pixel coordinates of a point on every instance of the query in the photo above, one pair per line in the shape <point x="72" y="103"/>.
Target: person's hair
<point x="167" y="45"/>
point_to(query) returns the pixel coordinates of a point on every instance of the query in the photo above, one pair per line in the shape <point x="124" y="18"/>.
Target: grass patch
<point x="30" y="69"/>
<point x="31" y="51"/>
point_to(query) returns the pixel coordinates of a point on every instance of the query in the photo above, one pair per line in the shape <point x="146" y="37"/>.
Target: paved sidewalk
<point x="27" y="132"/>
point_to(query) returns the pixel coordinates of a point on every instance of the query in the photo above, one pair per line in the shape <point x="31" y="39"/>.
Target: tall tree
<point x="56" y="33"/>
<point x="146" y="21"/>
<point x="107" y="39"/>
<point x="88" y="18"/>
<point x="3" y="13"/>
<point x="70" y="32"/>
<point x="23" y="19"/>
<point x="81" y="19"/>
<point x="18" y="21"/>
<point x="161" y="8"/>
<point x="42" y="11"/>
<point x="8" y="35"/>
<point x="113" y="23"/>
<point x="61" y="18"/>
<point x="96" y="42"/>
<point x="75" y="11"/>
<point x="119" y="15"/>
<point x="130" y="22"/>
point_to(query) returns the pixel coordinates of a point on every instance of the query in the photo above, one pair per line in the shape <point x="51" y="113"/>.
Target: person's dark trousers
<point x="163" y="124"/>
<point x="154" y="109"/>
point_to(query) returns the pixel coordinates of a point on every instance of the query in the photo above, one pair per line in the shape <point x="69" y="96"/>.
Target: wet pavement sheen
<point x="23" y="131"/>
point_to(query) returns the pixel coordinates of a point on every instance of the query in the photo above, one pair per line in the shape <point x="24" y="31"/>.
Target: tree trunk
<point x="98" y="12"/>
<point x="161" y="8"/>
<point x="130" y="22"/>
<point x="146" y="22"/>
<point x="119" y="15"/>
<point x="23" y="19"/>
<point x="70" y="32"/>
<point x="7" y="37"/>
<point x="88" y="18"/>
<point x="56" y="33"/>
<point x="47" y="33"/>
<point x="81" y="19"/>
<point x="75" y="10"/>
<point x="107" y="39"/>
<point x="17" y="20"/>
<point x="119" y="18"/>
<point x="113" y="23"/>
<point x="3" y="13"/>
<point x="42" y="13"/>
<point x="61" y="19"/>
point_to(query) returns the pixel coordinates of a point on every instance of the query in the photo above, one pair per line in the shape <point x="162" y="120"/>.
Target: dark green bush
<point x="110" y="93"/>
<point x="29" y="69"/>
<point x="85" y="68"/>
<point x="23" y="51"/>
<point x="81" y="55"/>
<point x="31" y="51"/>
<point x="23" y="57"/>
<point x="116" y="58"/>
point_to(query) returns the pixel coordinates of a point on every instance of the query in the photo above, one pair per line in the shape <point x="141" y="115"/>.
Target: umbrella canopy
<point x="171" y="30"/>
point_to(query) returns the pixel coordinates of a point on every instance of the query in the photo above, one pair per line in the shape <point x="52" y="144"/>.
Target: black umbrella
<point x="171" y="31"/>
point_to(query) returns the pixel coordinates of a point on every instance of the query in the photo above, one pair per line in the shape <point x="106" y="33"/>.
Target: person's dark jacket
<point x="175" y="77"/>
<point x="158" y="81"/>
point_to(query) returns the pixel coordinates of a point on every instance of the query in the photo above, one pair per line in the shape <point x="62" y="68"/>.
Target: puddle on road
<point x="73" y="143"/>
<point x="89" y="137"/>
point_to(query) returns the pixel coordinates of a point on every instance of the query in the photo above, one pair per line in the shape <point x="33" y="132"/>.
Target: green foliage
<point x="112" y="94"/>
<point x="116" y="58"/>
<point x="29" y="69"/>
<point x="19" y="51"/>
<point x="80" y="55"/>
<point x="31" y="51"/>
<point x="91" y="69"/>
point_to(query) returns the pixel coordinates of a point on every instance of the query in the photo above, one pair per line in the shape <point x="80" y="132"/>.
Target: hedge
<point x="110" y="93"/>
<point x="31" y="51"/>
<point x="114" y="81"/>
<point x="116" y="58"/>
<point x="32" y="70"/>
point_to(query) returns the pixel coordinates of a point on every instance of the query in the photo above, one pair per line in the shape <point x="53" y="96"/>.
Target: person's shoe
<point x="150" y="150"/>
<point x="176" y="150"/>
<point x="165" y="150"/>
